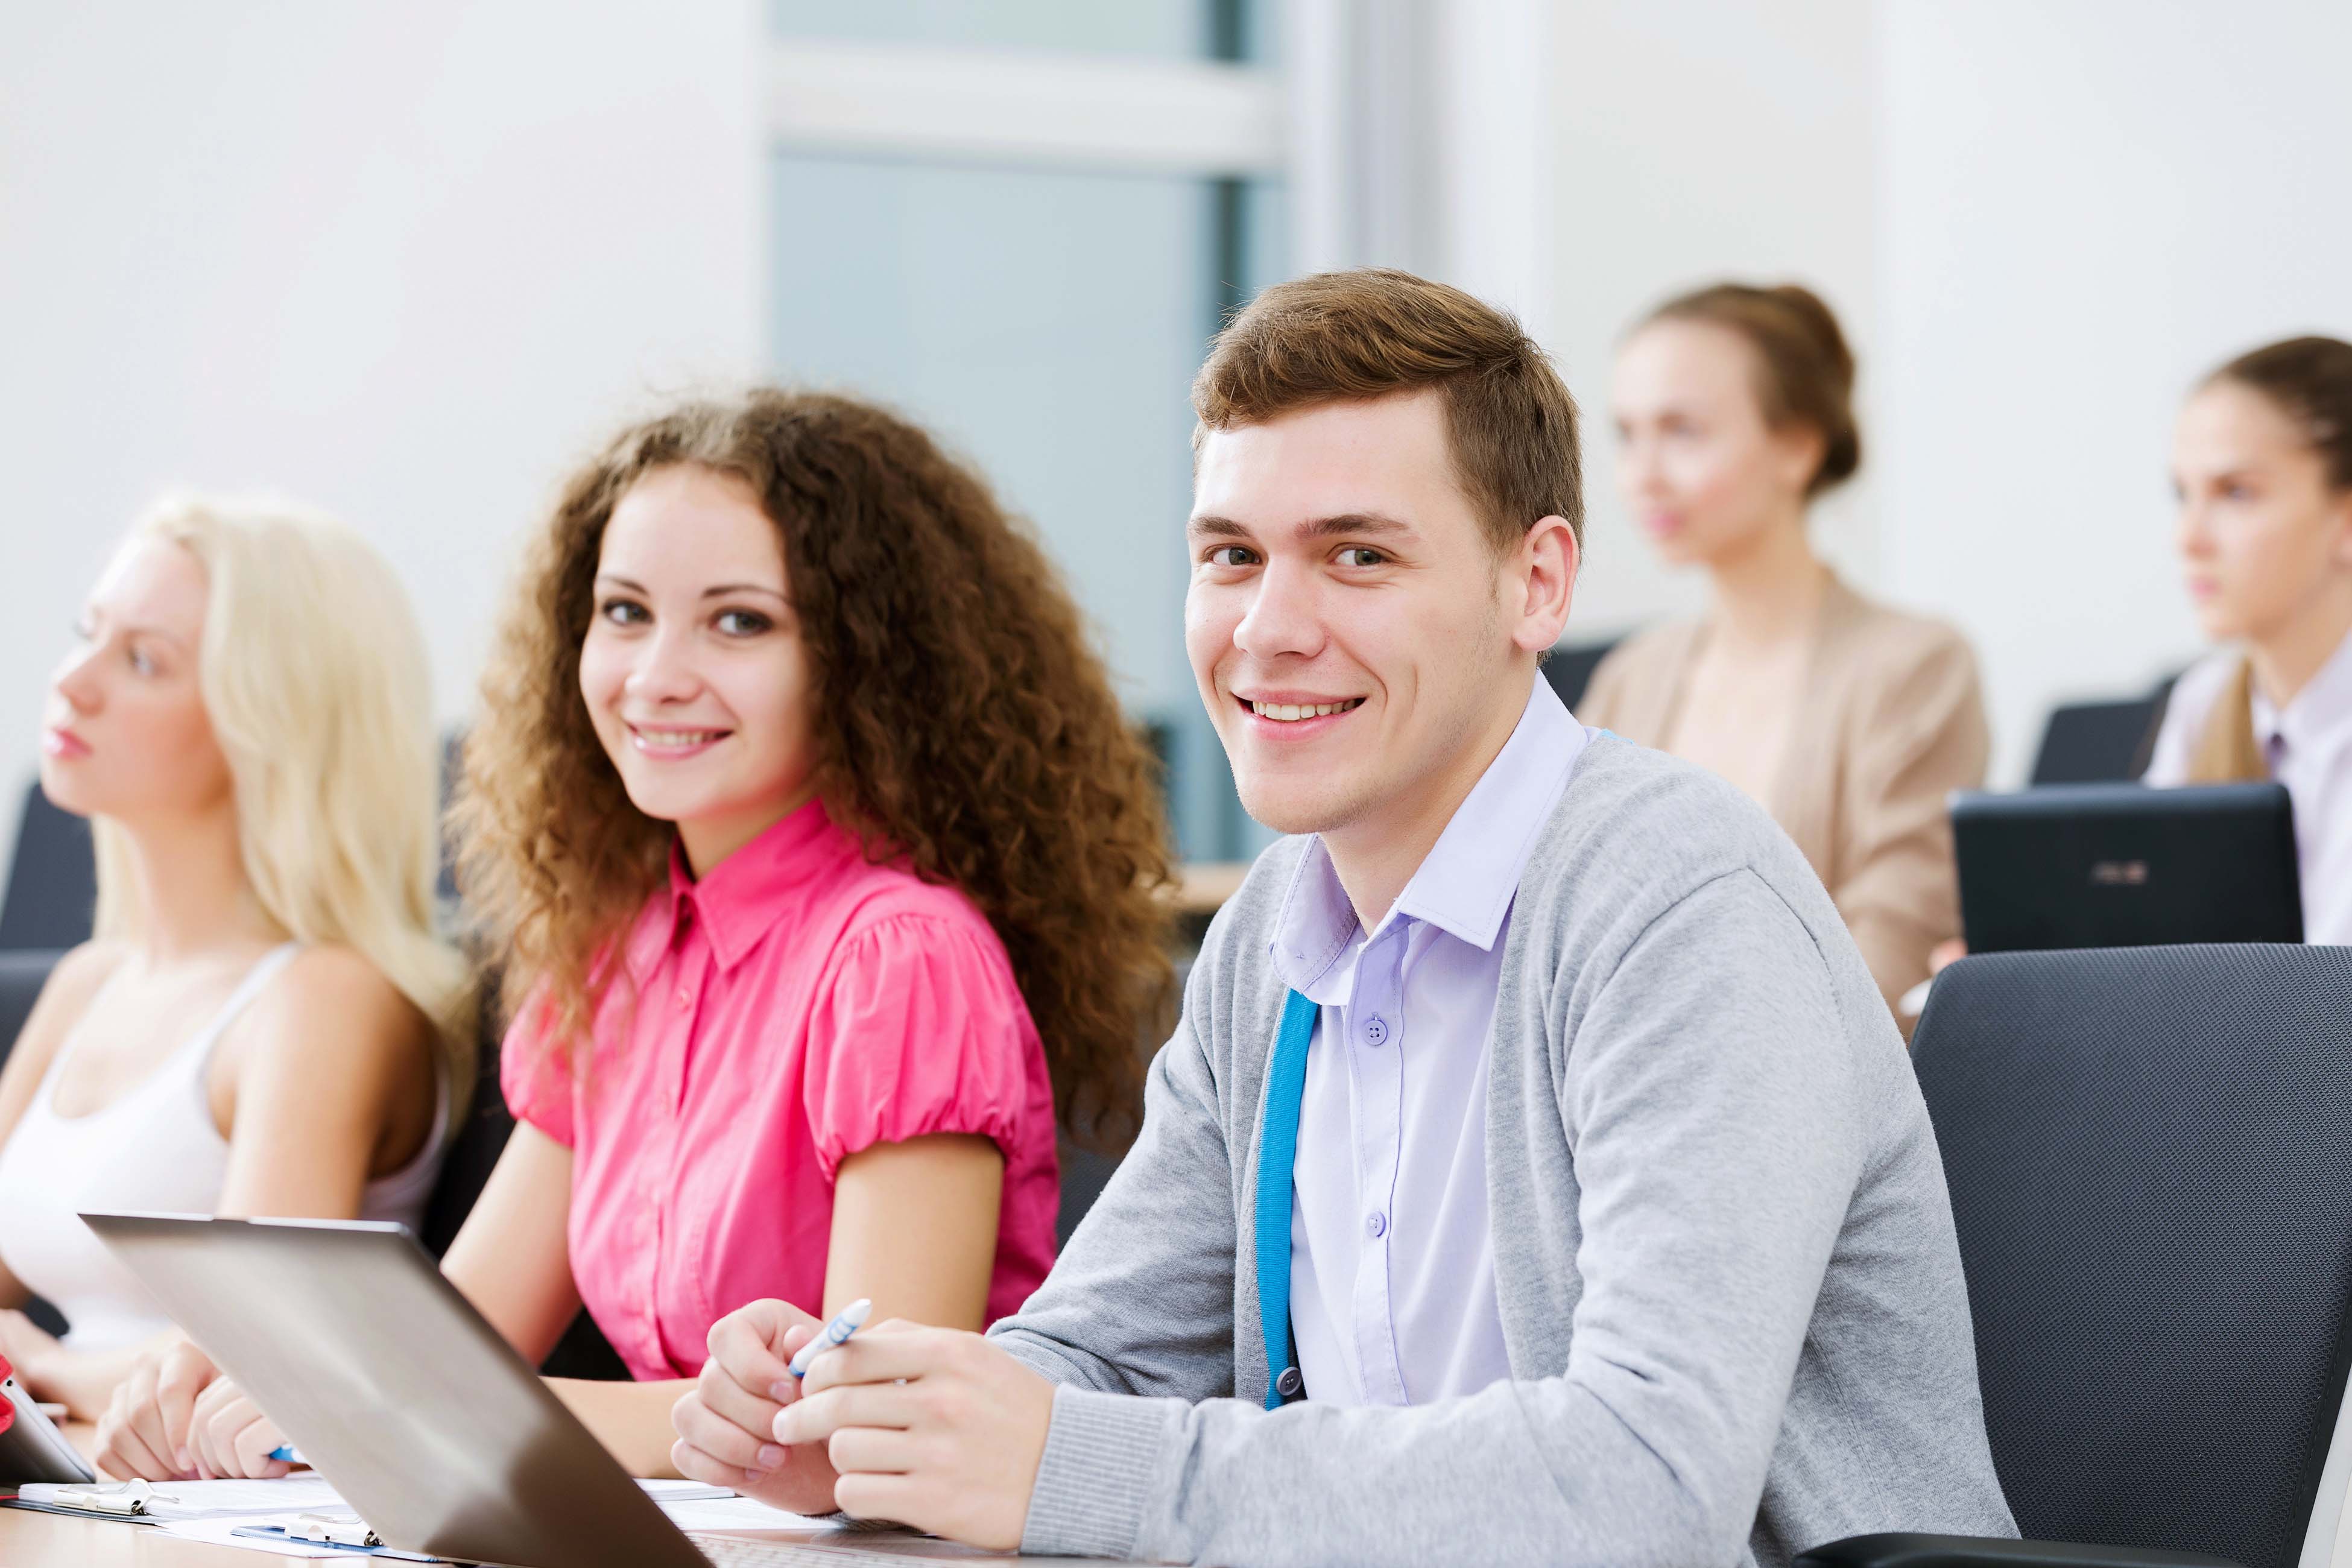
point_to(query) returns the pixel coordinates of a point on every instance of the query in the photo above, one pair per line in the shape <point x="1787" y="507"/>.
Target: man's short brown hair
<point x="1340" y="337"/>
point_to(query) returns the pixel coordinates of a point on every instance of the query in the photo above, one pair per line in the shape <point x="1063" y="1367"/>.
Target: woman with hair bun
<point x="266" y="1021"/>
<point x="1851" y="721"/>
<point x="2261" y="459"/>
<point x="825" y="869"/>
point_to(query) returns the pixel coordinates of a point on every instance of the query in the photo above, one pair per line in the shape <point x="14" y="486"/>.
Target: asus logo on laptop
<point x="2119" y="873"/>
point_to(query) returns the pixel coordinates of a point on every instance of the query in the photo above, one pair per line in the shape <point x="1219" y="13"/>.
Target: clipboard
<point x="352" y="1536"/>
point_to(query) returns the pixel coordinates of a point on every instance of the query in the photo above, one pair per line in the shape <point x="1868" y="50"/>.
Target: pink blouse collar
<point x="737" y="902"/>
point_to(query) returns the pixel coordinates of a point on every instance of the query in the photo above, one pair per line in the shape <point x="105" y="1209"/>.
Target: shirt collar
<point x="737" y="900"/>
<point x="1465" y="884"/>
<point x="2321" y="709"/>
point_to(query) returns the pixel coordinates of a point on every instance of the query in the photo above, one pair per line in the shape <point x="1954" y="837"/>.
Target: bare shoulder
<point x="79" y="973"/>
<point x="66" y="994"/>
<point x="328" y="988"/>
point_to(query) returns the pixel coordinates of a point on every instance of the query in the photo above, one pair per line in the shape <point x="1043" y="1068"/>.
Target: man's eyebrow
<point x="1215" y="527"/>
<point x="1369" y="522"/>
<point x="1349" y="523"/>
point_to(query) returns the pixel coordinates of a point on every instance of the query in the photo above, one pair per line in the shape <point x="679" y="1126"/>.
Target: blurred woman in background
<point x="265" y="1022"/>
<point x="1849" y="720"/>
<point x="2261" y="460"/>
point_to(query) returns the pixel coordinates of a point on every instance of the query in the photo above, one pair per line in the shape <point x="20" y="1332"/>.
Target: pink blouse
<point x="796" y="1006"/>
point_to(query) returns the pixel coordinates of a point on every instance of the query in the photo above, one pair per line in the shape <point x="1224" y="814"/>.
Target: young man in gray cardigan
<point x="1535" y="1175"/>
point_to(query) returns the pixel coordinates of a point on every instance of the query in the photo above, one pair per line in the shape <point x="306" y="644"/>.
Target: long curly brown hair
<point x="965" y="728"/>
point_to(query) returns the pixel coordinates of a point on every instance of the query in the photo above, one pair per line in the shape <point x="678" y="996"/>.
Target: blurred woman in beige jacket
<point x="1849" y="720"/>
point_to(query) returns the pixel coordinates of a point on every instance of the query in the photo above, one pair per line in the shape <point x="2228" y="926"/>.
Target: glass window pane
<point x="1174" y="29"/>
<point x="1046" y="323"/>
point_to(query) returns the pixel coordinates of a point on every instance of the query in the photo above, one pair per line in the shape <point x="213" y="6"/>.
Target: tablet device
<point x="32" y="1448"/>
<point x="2123" y="865"/>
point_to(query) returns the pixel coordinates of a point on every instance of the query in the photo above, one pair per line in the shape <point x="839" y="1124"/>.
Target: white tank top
<point x="154" y="1149"/>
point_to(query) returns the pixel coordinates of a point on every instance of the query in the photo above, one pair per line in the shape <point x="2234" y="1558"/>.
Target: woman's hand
<point x="144" y="1432"/>
<point x="726" y="1426"/>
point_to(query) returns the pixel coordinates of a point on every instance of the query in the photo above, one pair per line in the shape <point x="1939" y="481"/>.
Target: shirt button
<point x="1376" y="1224"/>
<point x="1376" y="1030"/>
<point x="1289" y="1383"/>
<point x="685" y="999"/>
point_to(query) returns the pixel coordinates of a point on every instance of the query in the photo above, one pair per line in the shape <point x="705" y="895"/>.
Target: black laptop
<point x="2122" y="865"/>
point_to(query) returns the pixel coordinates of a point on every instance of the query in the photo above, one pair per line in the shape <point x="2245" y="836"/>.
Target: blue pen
<point x="284" y="1454"/>
<point x="853" y="1317"/>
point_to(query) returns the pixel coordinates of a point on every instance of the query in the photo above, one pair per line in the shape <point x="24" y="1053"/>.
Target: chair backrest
<point x="479" y="1139"/>
<point x="1569" y="667"/>
<point x="52" y="878"/>
<point x="2099" y="743"/>
<point x="2149" y="1154"/>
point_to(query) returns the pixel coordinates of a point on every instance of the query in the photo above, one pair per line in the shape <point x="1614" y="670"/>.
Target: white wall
<point x="401" y="261"/>
<point x="1700" y="140"/>
<point x="2082" y="208"/>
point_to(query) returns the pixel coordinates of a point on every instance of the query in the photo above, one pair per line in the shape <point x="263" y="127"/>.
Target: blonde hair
<point x="315" y="678"/>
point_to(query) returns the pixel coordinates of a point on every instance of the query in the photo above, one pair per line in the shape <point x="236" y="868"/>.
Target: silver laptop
<point x="399" y="1392"/>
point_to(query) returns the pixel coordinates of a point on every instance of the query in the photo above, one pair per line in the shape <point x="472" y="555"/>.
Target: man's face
<point x="1351" y="627"/>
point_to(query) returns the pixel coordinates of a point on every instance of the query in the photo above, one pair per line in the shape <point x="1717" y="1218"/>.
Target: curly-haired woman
<point x="824" y="868"/>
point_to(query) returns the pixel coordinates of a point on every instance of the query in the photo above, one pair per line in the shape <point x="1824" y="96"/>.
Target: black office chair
<point x="22" y="976"/>
<point x="2150" y="1152"/>
<point x="1085" y="1170"/>
<point x="52" y="878"/>
<point x="1569" y="667"/>
<point x="2100" y="742"/>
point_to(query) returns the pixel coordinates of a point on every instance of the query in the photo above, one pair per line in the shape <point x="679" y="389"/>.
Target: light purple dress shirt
<point x="2308" y="745"/>
<point x="1392" y="1261"/>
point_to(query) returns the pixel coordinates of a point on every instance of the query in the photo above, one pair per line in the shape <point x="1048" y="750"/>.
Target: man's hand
<point x="230" y="1438"/>
<point x="932" y="1428"/>
<point x="144" y="1432"/>
<point x="726" y="1427"/>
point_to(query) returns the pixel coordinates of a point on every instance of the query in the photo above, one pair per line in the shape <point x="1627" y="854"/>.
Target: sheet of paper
<point x="207" y="1499"/>
<point x="728" y="1512"/>
<point x="681" y="1491"/>
<point x="223" y="1532"/>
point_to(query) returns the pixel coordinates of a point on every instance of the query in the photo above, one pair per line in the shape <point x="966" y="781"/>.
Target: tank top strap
<point x="198" y="1051"/>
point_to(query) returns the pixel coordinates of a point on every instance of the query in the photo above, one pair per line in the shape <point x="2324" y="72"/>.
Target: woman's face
<point x="1699" y="468"/>
<point x="2261" y="536"/>
<point x="693" y="668"/>
<point x="125" y="733"/>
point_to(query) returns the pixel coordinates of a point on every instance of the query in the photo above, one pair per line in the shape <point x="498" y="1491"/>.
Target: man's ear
<point x="1543" y="579"/>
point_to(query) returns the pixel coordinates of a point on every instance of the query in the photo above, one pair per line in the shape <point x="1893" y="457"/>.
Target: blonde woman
<point x="266" y="1022"/>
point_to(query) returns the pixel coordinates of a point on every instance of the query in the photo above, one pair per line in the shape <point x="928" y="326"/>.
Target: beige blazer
<point x="1890" y="720"/>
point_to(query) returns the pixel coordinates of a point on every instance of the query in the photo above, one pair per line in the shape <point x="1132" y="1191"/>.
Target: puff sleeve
<point x="919" y="1029"/>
